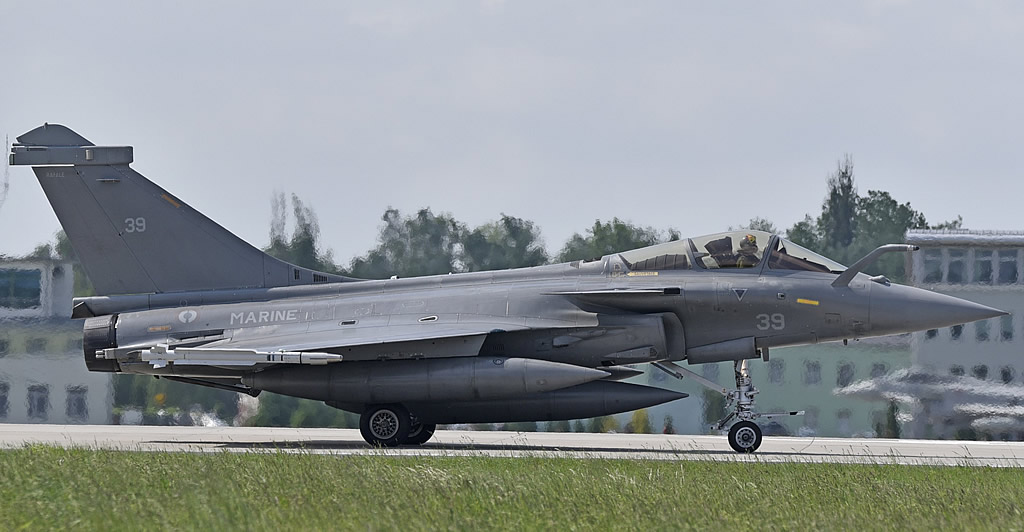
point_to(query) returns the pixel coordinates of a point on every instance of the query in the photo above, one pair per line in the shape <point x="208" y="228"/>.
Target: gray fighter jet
<point x="183" y="298"/>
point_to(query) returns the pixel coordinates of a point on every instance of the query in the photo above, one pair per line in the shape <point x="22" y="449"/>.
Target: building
<point x="43" y="378"/>
<point x="981" y="266"/>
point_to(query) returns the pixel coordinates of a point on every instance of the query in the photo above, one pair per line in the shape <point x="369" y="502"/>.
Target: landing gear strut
<point x="745" y="435"/>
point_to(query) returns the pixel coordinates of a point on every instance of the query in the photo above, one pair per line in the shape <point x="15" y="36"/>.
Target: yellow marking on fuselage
<point x="807" y="302"/>
<point x="171" y="200"/>
<point x="159" y="328"/>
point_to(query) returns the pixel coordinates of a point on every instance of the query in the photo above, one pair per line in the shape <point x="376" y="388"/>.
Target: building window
<point x="956" y="331"/>
<point x="38" y="402"/>
<point x="35" y="346"/>
<point x="956" y="370"/>
<point x="5" y="389"/>
<point x="983" y="267"/>
<point x="844" y="374"/>
<point x="956" y="273"/>
<point x="933" y="266"/>
<point x="930" y="334"/>
<point x="776" y="368"/>
<point x="711" y="372"/>
<point x="20" y="289"/>
<point x="812" y="372"/>
<point x="77" y="404"/>
<point x="843" y="422"/>
<point x="980" y="371"/>
<point x="981" y="330"/>
<point x="1006" y="374"/>
<point x="1006" y="328"/>
<point x="1007" y="267"/>
<point x="879" y="369"/>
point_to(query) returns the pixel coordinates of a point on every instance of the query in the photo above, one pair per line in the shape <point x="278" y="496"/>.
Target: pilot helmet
<point x="748" y="242"/>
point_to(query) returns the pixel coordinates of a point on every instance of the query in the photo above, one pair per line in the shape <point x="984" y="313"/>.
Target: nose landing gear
<point x="745" y="435"/>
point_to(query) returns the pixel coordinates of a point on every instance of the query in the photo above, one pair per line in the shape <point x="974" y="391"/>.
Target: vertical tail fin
<point x="134" y="237"/>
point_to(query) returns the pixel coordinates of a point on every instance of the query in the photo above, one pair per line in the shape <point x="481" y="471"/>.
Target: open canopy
<point x="736" y="250"/>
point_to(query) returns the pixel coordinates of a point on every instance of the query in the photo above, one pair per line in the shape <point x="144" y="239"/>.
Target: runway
<point x="517" y="444"/>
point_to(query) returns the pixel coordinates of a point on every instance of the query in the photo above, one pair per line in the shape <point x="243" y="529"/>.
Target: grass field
<point x="44" y="487"/>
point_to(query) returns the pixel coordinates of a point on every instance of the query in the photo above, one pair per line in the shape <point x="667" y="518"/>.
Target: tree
<point x="639" y="423"/>
<point x="424" y="244"/>
<point x="667" y="426"/>
<point x="284" y="411"/>
<point x="522" y="426"/>
<point x="837" y="222"/>
<point x="805" y="233"/>
<point x="612" y="237"/>
<point x="882" y="220"/>
<point x="507" y="243"/>
<point x="851" y="226"/>
<point x="714" y="406"/>
<point x="60" y="249"/>
<point x="148" y="394"/>
<point x="559" y="426"/>
<point x="891" y="427"/>
<point x="758" y="223"/>
<point x="602" y="424"/>
<point x="303" y="248"/>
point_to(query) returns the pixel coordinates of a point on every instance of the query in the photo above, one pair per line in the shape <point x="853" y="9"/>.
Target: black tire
<point x="745" y="437"/>
<point x="385" y="425"/>
<point x="420" y="433"/>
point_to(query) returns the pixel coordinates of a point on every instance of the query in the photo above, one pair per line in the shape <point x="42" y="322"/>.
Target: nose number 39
<point x="771" y="321"/>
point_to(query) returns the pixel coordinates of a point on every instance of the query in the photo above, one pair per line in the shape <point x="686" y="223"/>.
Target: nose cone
<point x="899" y="309"/>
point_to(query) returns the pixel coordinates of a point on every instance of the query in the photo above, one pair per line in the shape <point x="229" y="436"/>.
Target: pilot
<point x="748" y="252"/>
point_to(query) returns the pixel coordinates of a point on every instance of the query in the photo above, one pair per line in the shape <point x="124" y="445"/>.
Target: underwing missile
<point x="159" y="355"/>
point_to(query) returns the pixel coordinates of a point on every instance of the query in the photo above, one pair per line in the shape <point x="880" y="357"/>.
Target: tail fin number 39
<point x="134" y="225"/>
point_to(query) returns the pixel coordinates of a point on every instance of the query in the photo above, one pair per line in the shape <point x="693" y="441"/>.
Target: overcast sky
<point x="695" y="116"/>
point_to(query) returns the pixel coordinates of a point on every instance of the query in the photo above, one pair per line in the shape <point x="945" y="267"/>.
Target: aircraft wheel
<point x="420" y="433"/>
<point x="745" y="437"/>
<point x="384" y="425"/>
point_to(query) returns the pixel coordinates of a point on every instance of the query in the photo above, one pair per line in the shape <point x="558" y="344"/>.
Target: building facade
<point x="982" y="266"/>
<point x="43" y="378"/>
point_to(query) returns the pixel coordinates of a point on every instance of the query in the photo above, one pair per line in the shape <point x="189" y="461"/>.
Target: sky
<point x="695" y="116"/>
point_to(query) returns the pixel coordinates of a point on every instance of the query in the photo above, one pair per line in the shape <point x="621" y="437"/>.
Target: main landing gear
<point x="391" y="425"/>
<point x="745" y="435"/>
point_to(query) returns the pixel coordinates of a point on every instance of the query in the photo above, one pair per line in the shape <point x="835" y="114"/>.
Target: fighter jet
<point x="182" y="298"/>
<point x="939" y="405"/>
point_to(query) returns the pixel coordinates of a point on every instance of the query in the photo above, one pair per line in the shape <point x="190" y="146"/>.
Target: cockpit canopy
<point x="736" y="250"/>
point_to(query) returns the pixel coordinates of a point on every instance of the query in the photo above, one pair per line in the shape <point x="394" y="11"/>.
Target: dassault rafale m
<point x="182" y="298"/>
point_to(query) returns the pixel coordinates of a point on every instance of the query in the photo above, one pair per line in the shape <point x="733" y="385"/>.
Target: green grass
<point x="44" y="488"/>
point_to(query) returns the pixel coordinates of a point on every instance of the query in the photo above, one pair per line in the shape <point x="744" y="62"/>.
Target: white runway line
<point x="517" y="444"/>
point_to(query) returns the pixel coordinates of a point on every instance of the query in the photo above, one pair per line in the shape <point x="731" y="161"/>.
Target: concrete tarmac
<point x="518" y="444"/>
